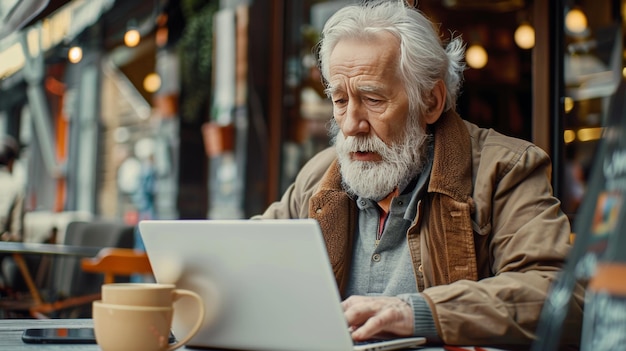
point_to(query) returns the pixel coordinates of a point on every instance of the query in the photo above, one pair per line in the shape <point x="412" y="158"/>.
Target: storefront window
<point x="592" y="70"/>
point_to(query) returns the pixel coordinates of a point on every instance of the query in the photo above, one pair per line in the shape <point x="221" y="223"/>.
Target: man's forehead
<point x="353" y="56"/>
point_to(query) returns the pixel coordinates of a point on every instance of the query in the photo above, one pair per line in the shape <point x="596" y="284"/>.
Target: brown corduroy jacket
<point x="487" y="241"/>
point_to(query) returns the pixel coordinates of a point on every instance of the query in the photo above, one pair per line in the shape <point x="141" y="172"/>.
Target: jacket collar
<point x="452" y="161"/>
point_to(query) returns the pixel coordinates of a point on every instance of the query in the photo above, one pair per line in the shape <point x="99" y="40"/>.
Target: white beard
<point x="401" y="162"/>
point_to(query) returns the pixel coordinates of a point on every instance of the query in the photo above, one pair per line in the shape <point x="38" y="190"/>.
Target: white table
<point x="11" y="335"/>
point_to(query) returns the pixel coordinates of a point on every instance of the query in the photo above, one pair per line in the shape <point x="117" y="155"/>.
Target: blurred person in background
<point x="144" y="199"/>
<point x="11" y="206"/>
<point x="11" y="192"/>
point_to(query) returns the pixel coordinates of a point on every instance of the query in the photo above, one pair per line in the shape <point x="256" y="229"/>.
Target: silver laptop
<point x="271" y="281"/>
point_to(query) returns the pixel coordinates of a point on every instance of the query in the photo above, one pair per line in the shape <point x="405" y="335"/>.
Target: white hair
<point x="423" y="60"/>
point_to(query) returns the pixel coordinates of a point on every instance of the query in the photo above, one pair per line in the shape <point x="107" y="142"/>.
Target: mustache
<point x="406" y="150"/>
<point x="368" y="143"/>
<point x="363" y="143"/>
<point x="357" y="143"/>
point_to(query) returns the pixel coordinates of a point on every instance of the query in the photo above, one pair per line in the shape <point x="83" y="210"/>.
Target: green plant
<point x="196" y="56"/>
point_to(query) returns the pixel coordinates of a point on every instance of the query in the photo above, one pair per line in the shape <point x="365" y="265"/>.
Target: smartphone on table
<point x="64" y="336"/>
<point x="59" y="336"/>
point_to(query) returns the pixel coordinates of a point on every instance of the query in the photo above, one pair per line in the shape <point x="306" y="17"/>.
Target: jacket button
<point x="420" y="268"/>
<point x="376" y="257"/>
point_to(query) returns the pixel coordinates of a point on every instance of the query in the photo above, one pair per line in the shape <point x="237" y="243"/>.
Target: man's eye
<point x="339" y="101"/>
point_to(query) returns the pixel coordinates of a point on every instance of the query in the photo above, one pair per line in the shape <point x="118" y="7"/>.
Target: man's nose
<point x="356" y="120"/>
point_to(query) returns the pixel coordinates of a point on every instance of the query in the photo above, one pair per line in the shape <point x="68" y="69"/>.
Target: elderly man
<point x="434" y="226"/>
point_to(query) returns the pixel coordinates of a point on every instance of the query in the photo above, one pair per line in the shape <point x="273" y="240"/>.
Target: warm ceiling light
<point x="525" y="36"/>
<point x="476" y="56"/>
<point x="132" y="37"/>
<point x="589" y="134"/>
<point x="75" y="54"/>
<point x="568" y="104"/>
<point x="569" y="136"/>
<point x="152" y="82"/>
<point x="576" y="21"/>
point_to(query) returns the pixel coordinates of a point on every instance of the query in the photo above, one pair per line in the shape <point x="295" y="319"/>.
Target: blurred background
<point x="207" y="109"/>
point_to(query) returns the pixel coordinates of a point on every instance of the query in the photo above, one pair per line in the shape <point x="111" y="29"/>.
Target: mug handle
<point x="178" y="293"/>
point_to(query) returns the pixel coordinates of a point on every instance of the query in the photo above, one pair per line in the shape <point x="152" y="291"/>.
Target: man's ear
<point x="437" y="102"/>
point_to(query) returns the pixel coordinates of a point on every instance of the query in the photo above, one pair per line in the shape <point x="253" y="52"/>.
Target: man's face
<point x="368" y="94"/>
<point x="379" y="146"/>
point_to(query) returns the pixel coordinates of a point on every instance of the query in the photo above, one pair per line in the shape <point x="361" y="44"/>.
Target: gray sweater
<point x="386" y="269"/>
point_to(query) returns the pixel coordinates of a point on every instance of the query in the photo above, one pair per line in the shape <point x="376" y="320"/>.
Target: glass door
<point x="592" y="63"/>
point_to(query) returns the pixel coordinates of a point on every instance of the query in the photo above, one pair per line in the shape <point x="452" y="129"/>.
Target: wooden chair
<point x="110" y="262"/>
<point x="114" y="262"/>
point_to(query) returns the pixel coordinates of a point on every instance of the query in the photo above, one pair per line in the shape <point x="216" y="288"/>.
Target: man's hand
<point x="371" y="316"/>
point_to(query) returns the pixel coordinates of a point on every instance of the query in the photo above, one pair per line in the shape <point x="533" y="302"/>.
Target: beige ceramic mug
<point x="138" y="316"/>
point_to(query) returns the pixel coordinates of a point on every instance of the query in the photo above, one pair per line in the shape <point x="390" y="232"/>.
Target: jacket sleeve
<point x="527" y="239"/>
<point x="295" y="200"/>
